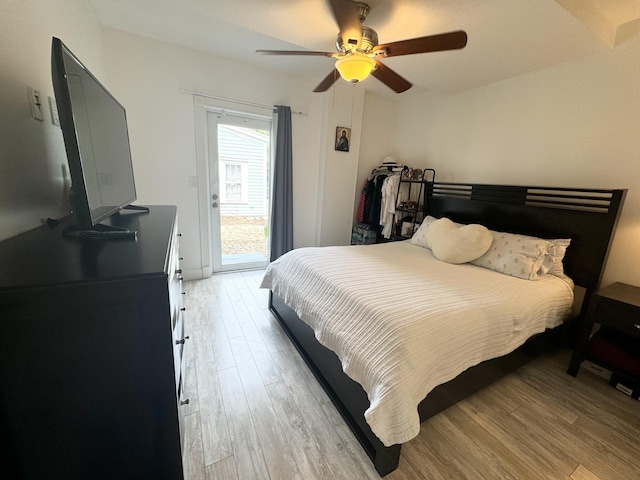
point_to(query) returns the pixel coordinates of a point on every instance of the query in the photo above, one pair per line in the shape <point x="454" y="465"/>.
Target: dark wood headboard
<point x="587" y="216"/>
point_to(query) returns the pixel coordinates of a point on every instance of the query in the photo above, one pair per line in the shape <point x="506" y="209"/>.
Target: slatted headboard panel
<point x="588" y="216"/>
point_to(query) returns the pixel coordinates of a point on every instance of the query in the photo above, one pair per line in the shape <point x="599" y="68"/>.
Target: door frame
<point x="202" y="107"/>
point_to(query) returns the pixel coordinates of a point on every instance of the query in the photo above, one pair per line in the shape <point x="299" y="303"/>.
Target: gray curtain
<point x="281" y="229"/>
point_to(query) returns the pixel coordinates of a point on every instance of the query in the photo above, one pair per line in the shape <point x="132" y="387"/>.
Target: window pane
<point x="233" y="173"/>
<point x="234" y="191"/>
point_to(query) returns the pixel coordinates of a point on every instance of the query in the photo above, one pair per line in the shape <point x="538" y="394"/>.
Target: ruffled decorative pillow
<point x="453" y="243"/>
<point x="516" y="255"/>
<point x="552" y="263"/>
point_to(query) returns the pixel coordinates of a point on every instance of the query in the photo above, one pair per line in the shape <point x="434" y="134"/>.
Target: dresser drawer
<point x="175" y="301"/>
<point x="174" y="254"/>
<point x="174" y="274"/>
<point x="622" y="318"/>
<point x="178" y="345"/>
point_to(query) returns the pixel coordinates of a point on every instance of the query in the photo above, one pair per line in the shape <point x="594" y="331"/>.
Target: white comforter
<point x="402" y="322"/>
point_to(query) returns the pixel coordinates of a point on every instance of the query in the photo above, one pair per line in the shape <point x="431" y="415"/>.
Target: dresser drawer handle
<point x="179" y="271"/>
<point x="183" y="309"/>
<point x="184" y="402"/>
<point x="181" y="342"/>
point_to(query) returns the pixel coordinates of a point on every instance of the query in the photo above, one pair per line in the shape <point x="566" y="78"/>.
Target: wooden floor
<point x="256" y="411"/>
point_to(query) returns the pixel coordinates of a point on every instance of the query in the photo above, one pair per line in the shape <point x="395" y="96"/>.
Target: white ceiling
<point x="506" y="37"/>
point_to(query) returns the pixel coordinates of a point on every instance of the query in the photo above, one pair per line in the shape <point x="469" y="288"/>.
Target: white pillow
<point x="516" y="255"/>
<point x="454" y="243"/>
<point x="420" y="237"/>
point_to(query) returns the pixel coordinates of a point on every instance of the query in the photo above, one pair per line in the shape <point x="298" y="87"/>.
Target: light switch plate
<point x="36" y="104"/>
<point x="53" y="106"/>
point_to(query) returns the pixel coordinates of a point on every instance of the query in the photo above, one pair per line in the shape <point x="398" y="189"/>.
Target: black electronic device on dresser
<point x="616" y="345"/>
<point x="96" y="139"/>
<point x="91" y="342"/>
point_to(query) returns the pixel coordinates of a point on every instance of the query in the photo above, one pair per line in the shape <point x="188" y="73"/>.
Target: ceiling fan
<point x="358" y="51"/>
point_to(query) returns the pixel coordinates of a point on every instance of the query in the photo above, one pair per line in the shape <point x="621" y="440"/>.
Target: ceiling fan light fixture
<point x="355" y="67"/>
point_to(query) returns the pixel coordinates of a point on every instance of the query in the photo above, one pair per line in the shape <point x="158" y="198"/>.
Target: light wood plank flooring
<point x="256" y="411"/>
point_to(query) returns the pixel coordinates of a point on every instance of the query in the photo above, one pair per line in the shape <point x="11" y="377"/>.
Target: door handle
<point x="214" y="204"/>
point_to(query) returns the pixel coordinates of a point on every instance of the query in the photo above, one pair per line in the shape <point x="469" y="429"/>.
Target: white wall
<point x="343" y="107"/>
<point x="32" y="156"/>
<point x="379" y="130"/>
<point x="576" y="124"/>
<point x="148" y="77"/>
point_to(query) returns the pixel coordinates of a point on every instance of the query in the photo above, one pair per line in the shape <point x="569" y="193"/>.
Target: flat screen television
<point x="96" y="138"/>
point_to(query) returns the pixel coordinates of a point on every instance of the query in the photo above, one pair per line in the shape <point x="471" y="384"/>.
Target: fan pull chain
<point x="333" y="93"/>
<point x="352" y="104"/>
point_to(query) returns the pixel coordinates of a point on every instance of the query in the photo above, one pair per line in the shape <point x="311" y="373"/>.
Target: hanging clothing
<point x="374" y="214"/>
<point x="388" y="204"/>
<point x="370" y="201"/>
<point x="362" y="203"/>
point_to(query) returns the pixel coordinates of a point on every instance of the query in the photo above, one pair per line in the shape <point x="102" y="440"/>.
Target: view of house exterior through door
<point x="239" y="166"/>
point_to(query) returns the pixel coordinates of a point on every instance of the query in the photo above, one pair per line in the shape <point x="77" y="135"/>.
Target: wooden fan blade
<point x="329" y="80"/>
<point x="432" y="43"/>
<point x="390" y="78"/>
<point x="346" y="14"/>
<point x="296" y="52"/>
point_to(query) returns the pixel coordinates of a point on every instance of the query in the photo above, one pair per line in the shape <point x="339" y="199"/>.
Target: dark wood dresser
<point x="91" y="339"/>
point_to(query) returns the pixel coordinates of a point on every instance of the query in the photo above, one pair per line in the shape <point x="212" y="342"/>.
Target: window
<point x="233" y="182"/>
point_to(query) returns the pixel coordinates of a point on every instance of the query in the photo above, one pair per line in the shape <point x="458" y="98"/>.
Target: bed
<point x="348" y="321"/>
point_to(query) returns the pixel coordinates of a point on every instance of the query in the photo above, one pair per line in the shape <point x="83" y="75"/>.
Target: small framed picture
<point x="343" y="138"/>
<point x="407" y="229"/>
<point x="417" y="175"/>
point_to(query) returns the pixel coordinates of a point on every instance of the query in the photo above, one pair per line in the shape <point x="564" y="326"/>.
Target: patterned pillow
<point x="516" y="255"/>
<point x="420" y="237"/>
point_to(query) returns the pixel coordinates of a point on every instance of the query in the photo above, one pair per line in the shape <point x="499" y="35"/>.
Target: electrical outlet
<point x="53" y="106"/>
<point x="36" y="104"/>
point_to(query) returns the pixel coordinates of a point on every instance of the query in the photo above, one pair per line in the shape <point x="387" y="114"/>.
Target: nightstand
<point x="617" y="307"/>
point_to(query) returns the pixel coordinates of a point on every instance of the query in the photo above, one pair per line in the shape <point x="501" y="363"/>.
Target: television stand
<point x="93" y="354"/>
<point x="100" y="232"/>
